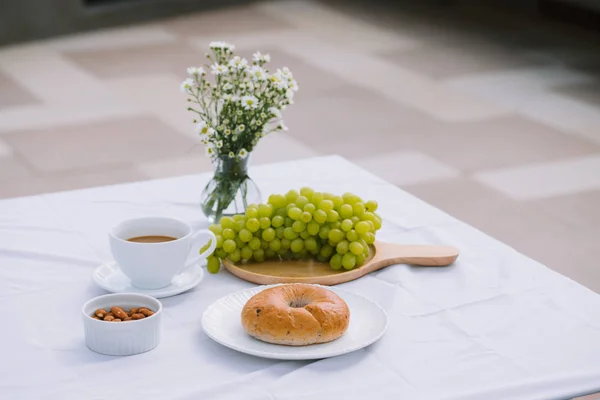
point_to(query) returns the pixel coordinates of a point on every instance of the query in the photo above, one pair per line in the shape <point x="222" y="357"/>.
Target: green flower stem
<point x="230" y="177"/>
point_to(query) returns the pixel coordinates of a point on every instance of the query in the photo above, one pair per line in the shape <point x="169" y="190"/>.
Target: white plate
<point x="222" y="323"/>
<point x="110" y="278"/>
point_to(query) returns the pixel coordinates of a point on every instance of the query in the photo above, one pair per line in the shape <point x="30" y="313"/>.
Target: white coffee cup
<point x="153" y="265"/>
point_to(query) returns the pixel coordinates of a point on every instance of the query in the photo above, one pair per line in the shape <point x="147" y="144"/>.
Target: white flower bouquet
<point x="235" y="109"/>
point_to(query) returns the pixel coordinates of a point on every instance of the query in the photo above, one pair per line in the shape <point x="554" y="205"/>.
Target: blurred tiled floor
<point x="493" y="119"/>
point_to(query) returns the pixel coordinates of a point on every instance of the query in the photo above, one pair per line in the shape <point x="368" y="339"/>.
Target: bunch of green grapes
<point x="333" y="229"/>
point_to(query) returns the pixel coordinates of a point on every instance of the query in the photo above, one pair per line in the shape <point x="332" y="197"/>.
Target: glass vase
<point x="230" y="190"/>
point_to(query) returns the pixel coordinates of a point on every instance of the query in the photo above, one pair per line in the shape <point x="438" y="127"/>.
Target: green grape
<point x="331" y="243"/>
<point x="369" y="216"/>
<point x="270" y="254"/>
<point x="264" y="244"/>
<point x="326" y="205"/>
<point x="239" y="225"/>
<point x="377" y="222"/>
<point x="288" y="222"/>
<point x="370" y="238"/>
<point x="356" y="248"/>
<point x="289" y="233"/>
<point x="245" y="235"/>
<point x="301" y="201"/>
<point x="306" y="217"/>
<point x="346" y="211"/>
<point x="310" y="244"/>
<point x="246" y="253"/>
<point x="279" y="232"/>
<point x="227" y="222"/>
<point x="216" y="229"/>
<point x="268" y="234"/>
<point x="355" y="219"/>
<point x="304" y="235"/>
<point x="351" y="235"/>
<point x="306" y="192"/>
<point x="239" y="217"/>
<point x="219" y="241"/>
<point x="371" y="225"/>
<point x="342" y="247"/>
<point x="351" y="198"/>
<point x="228" y="233"/>
<point x="364" y="245"/>
<point x="281" y="212"/>
<point x="299" y="226"/>
<point x="310" y="207"/>
<point x="332" y="216"/>
<point x="213" y="265"/>
<point x="362" y="227"/>
<point x="291" y="196"/>
<point x="313" y="228"/>
<point x="335" y="225"/>
<point x="235" y="256"/>
<point x="321" y="259"/>
<point x="328" y="196"/>
<point x="206" y="246"/>
<point x="337" y="202"/>
<point x="371" y="205"/>
<point x="277" y="200"/>
<point x="264" y="222"/>
<point x="336" y="261"/>
<point x="277" y="221"/>
<point x="221" y="253"/>
<point x="254" y="243"/>
<point x="252" y="211"/>
<point x="252" y="224"/>
<point x="289" y="207"/>
<point x="358" y="208"/>
<point x="297" y="245"/>
<point x="275" y="244"/>
<point x="265" y="210"/>
<point x="295" y="213"/>
<point x="336" y="235"/>
<point x="324" y="232"/>
<point x="360" y="259"/>
<point x="346" y="225"/>
<point x="316" y="198"/>
<point x="320" y="216"/>
<point x="239" y="243"/>
<point x="285" y="244"/>
<point x="326" y="251"/>
<point x="259" y="255"/>
<point x="348" y="261"/>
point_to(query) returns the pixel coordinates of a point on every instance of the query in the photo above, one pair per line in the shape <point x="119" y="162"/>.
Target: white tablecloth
<point x="496" y="325"/>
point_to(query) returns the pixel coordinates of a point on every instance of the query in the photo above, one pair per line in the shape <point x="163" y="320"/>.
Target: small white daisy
<point x="187" y="85"/>
<point x="243" y="153"/>
<point x="227" y="132"/>
<point x="249" y="102"/>
<point x="282" y="127"/>
<point x="276" y="113"/>
<point x="257" y="73"/>
<point x="219" y="69"/>
<point x="209" y="151"/>
<point x="238" y="63"/>
<point x="293" y="85"/>
<point x="219" y="144"/>
<point x="227" y="86"/>
<point x="241" y="128"/>
<point x="231" y="154"/>
<point x="221" y="46"/>
<point x="259" y="57"/>
<point x="289" y="94"/>
<point x="195" y="71"/>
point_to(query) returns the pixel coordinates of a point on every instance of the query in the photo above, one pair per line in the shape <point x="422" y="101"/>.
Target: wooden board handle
<point x="421" y="255"/>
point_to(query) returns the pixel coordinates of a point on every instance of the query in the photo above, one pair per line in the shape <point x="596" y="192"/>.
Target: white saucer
<point x="110" y="278"/>
<point x="222" y="322"/>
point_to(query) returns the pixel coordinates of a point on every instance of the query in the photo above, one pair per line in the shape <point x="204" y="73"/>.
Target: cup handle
<point x="197" y="237"/>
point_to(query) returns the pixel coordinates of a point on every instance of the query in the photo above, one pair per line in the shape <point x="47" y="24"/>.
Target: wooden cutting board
<point x="311" y="271"/>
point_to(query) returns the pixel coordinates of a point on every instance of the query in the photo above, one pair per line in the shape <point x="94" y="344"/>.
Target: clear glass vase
<point x="230" y="190"/>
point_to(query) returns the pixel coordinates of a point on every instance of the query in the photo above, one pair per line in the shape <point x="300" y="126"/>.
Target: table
<point x="495" y="325"/>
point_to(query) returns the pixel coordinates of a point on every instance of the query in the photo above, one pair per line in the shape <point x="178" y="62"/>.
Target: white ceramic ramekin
<point x="122" y="338"/>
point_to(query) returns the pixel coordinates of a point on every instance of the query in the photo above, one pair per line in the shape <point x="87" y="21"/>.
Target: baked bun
<point x="296" y="315"/>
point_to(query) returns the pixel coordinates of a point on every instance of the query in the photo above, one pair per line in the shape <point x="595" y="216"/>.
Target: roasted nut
<point x="138" y="316"/>
<point x="109" y="314"/>
<point x="146" y="312"/>
<point x="116" y="320"/>
<point x="100" y="313"/>
<point x="95" y="317"/>
<point x="127" y="319"/>
<point x="109" y="318"/>
<point x="133" y="311"/>
<point x="118" y="312"/>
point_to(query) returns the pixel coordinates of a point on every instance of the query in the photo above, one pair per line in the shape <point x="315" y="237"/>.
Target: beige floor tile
<point x="138" y="60"/>
<point x="278" y="147"/>
<point x="124" y="141"/>
<point x="241" y="19"/>
<point x="406" y="168"/>
<point x="444" y="60"/>
<point x="589" y="397"/>
<point x="5" y="149"/>
<point x="78" y="179"/>
<point x="12" y="169"/>
<point x="184" y="165"/>
<point x="521" y="225"/>
<point x="581" y="210"/>
<point x="12" y="94"/>
<point x="542" y="180"/>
